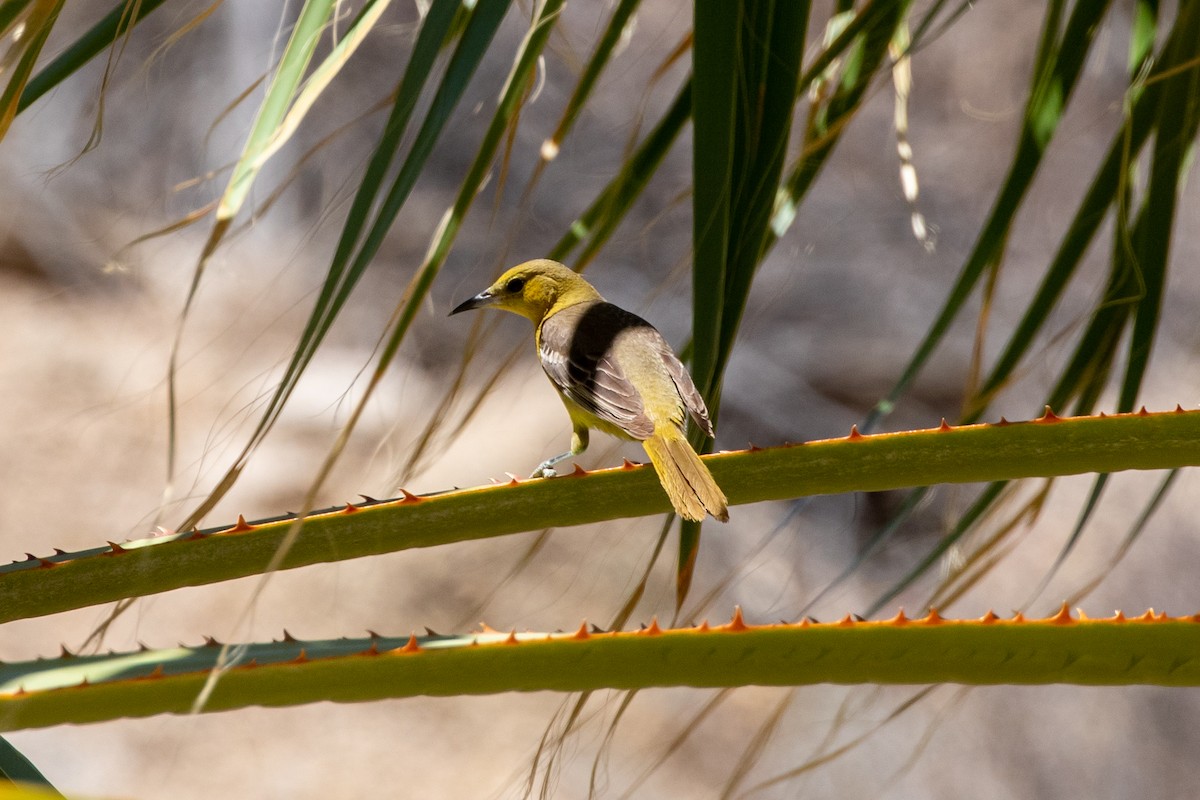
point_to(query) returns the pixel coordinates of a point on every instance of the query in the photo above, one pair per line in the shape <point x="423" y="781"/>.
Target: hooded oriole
<point x="614" y="372"/>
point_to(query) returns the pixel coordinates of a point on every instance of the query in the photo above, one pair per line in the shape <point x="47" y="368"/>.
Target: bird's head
<point x="533" y="290"/>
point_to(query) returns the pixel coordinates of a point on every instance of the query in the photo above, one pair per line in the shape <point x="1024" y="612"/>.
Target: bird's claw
<point x="544" y="471"/>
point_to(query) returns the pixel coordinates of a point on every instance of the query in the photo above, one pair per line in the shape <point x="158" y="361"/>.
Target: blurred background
<point x="134" y="144"/>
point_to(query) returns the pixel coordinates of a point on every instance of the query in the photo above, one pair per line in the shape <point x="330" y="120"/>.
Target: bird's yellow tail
<point x="683" y="475"/>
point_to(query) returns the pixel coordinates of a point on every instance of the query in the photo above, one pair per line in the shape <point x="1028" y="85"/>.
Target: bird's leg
<point x="579" y="443"/>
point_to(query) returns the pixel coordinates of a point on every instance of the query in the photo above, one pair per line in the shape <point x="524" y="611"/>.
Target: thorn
<point x="65" y="653"/>
<point x="288" y="638"/>
<point x="945" y="426"/>
<point x="351" y="509"/>
<point x="513" y="480"/>
<point x="1003" y="423"/>
<point x="157" y="672"/>
<point x="932" y="618"/>
<point x="1063" y="617"/>
<point x="578" y="472"/>
<point x="753" y="448"/>
<point x="301" y="657"/>
<point x="1178" y="409"/>
<point x="597" y="629"/>
<point x="368" y="499"/>
<point x="373" y="650"/>
<point x="1102" y="415"/>
<point x="627" y="464"/>
<point x="211" y="641"/>
<point x="409" y="497"/>
<point x="1142" y="412"/>
<point x="582" y="634"/>
<point x="373" y="634"/>
<point x="431" y="631"/>
<point x="859" y="618"/>
<point x="512" y="637"/>
<point x="1048" y="416"/>
<point x="58" y="551"/>
<point x="194" y="535"/>
<point x="1147" y="617"/>
<point x="1082" y="616"/>
<point x="653" y="630"/>
<point x="854" y="435"/>
<point x="116" y="549"/>
<point x="737" y="623"/>
<point x="846" y="622"/>
<point x="143" y="647"/>
<point x="899" y="619"/>
<point x="485" y="628"/>
<point x="241" y="527"/>
<point x="988" y="618"/>
<point x="1018" y="617"/>
<point x="411" y="645"/>
<point x="1118" y="616"/>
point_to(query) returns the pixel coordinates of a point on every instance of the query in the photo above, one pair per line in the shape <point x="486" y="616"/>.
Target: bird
<point x="615" y="373"/>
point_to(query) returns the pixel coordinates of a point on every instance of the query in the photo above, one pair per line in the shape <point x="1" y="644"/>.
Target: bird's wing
<point x="687" y="389"/>
<point x="575" y="347"/>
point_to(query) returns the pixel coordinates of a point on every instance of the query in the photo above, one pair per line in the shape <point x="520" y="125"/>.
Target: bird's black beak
<point x="482" y="299"/>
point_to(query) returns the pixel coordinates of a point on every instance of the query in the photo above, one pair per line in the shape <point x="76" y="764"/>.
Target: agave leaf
<point x="981" y="453"/>
<point x="1151" y="649"/>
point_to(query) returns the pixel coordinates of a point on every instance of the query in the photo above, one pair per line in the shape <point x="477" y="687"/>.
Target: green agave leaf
<point x="18" y="769"/>
<point x="1152" y="649"/>
<point x="980" y="453"/>
<point x="26" y="791"/>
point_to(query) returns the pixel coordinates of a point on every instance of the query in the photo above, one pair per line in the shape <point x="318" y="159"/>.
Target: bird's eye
<point x="515" y="285"/>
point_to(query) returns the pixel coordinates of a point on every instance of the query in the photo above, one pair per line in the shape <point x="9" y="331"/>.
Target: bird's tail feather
<point x="683" y="475"/>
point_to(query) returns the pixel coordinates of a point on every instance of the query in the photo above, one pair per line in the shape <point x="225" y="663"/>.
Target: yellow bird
<point x="614" y="372"/>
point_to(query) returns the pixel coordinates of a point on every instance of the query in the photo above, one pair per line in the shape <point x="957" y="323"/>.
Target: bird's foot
<point x="545" y="470"/>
